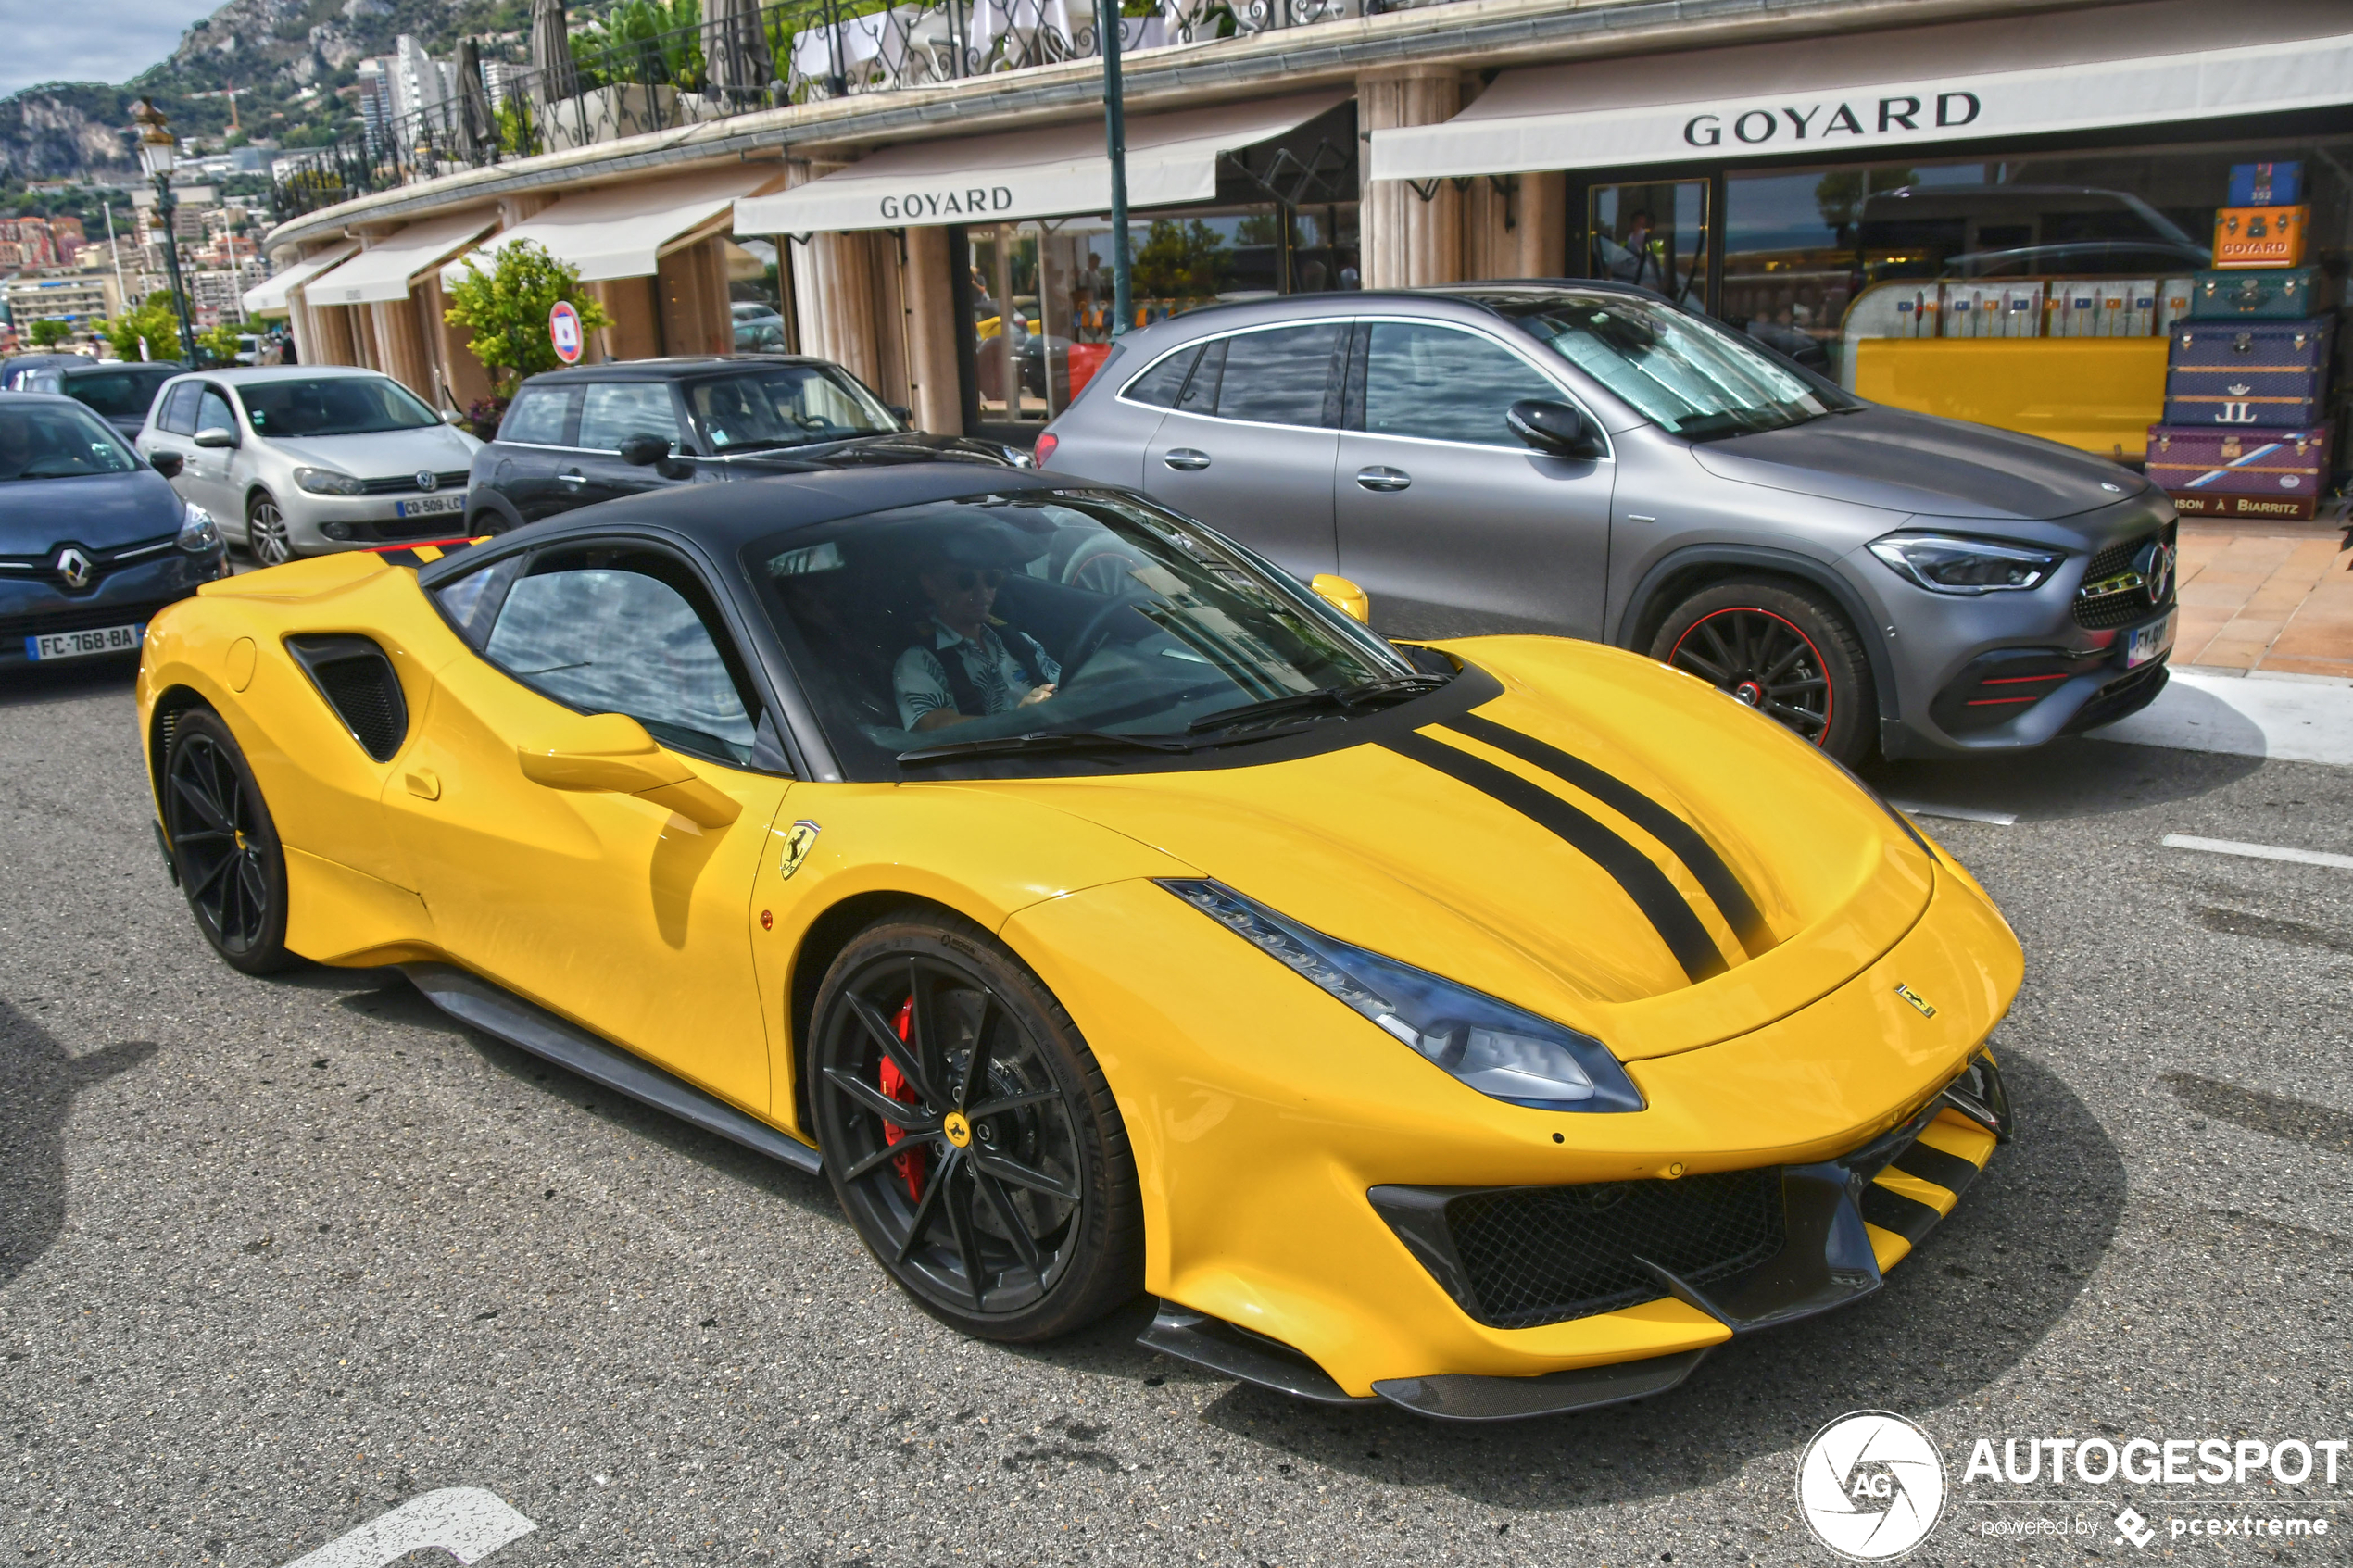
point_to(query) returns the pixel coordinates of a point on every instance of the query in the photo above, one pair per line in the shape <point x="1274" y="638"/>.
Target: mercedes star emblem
<point x="74" y="567"/>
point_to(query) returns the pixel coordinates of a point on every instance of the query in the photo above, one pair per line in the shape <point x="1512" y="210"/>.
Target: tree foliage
<point x="154" y="323"/>
<point x="46" y="334"/>
<point x="506" y="309"/>
<point x="219" y="343"/>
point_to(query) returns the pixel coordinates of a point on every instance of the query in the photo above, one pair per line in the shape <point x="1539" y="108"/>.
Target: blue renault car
<point x="93" y="541"/>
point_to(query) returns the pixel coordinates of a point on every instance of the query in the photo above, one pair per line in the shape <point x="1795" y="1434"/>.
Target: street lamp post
<point x="156" y="155"/>
<point x="1116" y="144"/>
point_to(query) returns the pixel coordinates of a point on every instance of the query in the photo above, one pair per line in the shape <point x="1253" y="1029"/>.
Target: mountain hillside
<point x="290" y="62"/>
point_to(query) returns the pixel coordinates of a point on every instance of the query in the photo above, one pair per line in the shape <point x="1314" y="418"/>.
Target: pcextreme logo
<point x="1870" y="1485"/>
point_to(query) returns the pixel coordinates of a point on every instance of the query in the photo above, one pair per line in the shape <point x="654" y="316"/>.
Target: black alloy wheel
<point x="969" y="1132"/>
<point x="265" y="533"/>
<point x="224" y="845"/>
<point x="1784" y="652"/>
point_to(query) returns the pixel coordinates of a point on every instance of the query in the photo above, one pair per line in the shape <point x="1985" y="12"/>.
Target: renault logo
<point x="74" y="567"/>
<point x="428" y="480"/>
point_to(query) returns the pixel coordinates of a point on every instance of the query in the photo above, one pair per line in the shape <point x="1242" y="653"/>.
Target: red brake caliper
<point x="909" y="1165"/>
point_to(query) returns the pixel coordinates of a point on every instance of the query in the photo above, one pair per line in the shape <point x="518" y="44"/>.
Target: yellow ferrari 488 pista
<point x="1492" y="1027"/>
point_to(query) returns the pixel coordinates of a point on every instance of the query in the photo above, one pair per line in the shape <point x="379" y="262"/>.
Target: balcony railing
<point x="628" y="74"/>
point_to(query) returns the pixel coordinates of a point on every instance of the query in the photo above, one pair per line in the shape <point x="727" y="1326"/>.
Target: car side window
<point x="179" y="414"/>
<point x="1444" y="384"/>
<point x="616" y="630"/>
<point x="212" y="412"/>
<point x="610" y="412"/>
<point x="539" y="416"/>
<point x="1159" y="385"/>
<point x="1278" y="377"/>
<point x="472" y="602"/>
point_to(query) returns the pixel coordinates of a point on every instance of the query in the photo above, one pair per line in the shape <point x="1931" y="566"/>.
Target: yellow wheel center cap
<point x="959" y="1130"/>
<point x="241" y="841"/>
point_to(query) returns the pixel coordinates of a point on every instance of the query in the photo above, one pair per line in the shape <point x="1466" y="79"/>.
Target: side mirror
<point x="1558" y="430"/>
<point x="902" y="413"/>
<point x="168" y="464"/>
<point x="611" y="752"/>
<point x="653" y="452"/>
<point x="455" y="417"/>
<point x="1344" y="596"/>
<point x="216" y="436"/>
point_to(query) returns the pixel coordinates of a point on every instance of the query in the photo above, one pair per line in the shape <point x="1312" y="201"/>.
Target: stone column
<point x="400" y="346"/>
<point x="636" y="318"/>
<point x="1543" y="224"/>
<point x="934" y="392"/>
<point x="692" y="286"/>
<point x="1409" y="242"/>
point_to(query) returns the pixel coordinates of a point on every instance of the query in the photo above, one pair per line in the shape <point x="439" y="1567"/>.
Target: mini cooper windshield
<point x="1680" y="372"/>
<point x="1056" y="625"/>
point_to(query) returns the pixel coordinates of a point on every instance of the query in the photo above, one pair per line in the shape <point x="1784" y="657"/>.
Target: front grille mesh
<point x="2114" y="609"/>
<point x="407" y="484"/>
<point x="1540" y="1255"/>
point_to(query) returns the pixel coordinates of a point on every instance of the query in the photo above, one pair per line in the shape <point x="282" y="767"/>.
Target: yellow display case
<point x="2100" y="394"/>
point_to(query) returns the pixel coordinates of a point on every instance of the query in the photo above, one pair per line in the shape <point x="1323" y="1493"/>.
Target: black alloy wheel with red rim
<point x="969" y="1135"/>
<point x="1782" y="651"/>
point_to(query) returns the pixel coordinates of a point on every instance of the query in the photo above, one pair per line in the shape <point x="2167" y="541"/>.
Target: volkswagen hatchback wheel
<point x="970" y="1135"/>
<point x="266" y="532"/>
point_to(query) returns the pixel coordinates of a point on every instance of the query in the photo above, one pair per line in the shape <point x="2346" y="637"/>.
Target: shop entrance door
<point x="1652" y="235"/>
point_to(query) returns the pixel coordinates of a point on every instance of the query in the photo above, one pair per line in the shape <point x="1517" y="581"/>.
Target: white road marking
<point x="2245" y="716"/>
<point x="2258" y="851"/>
<point x="1959" y="814"/>
<point x="465" y="1522"/>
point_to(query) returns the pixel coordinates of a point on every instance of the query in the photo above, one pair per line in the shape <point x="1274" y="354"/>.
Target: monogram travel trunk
<point x="2288" y="294"/>
<point x="2267" y="374"/>
<point x="2262" y="473"/>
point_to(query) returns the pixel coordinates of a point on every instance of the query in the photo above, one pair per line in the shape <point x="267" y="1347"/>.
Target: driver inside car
<point x="966" y="663"/>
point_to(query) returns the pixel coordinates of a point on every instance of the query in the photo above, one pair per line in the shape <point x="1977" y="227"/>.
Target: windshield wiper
<point x="1042" y="740"/>
<point x="1345" y="700"/>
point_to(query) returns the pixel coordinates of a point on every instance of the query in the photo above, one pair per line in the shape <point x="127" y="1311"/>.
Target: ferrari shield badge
<point x="798" y="843"/>
<point x="1918" y="1001"/>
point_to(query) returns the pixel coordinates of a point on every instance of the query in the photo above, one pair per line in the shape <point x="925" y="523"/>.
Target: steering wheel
<point x="1096" y="633"/>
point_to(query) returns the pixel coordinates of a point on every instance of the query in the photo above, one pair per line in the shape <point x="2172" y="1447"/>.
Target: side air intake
<point x="360" y="684"/>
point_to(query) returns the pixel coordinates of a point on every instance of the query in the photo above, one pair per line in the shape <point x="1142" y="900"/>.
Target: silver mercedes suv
<point x="1587" y="459"/>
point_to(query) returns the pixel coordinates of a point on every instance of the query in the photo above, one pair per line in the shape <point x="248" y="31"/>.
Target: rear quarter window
<point x="539" y="416"/>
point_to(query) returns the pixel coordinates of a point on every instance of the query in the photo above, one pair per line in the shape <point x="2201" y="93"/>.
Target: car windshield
<point x="784" y="406"/>
<point x="120" y="395"/>
<point x="1675" y="368"/>
<point x="332" y="405"/>
<point x="1055" y="623"/>
<point x="58" y="440"/>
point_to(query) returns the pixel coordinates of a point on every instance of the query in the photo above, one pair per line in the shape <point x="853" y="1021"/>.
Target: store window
<point x="1654" y="235"/>
<point x="1041" y="291"/>
<point x="756" y="288"/>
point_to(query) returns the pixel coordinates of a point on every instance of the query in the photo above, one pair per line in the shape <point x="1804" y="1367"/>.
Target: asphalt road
<point x="277" y="1256"/>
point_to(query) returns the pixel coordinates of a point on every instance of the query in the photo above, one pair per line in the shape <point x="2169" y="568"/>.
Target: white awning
<point x="270" y="296"/>
<point x="2156" y="64"/>
<point x="623" y="231"/>
<point x="384" y="269"/>
<point x="1046" y="173"/>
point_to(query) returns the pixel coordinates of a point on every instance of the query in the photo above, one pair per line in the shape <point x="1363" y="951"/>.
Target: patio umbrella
<point x="477" y="131"/>
<point x="551" y="50"/>
<point x="736" y="47"/>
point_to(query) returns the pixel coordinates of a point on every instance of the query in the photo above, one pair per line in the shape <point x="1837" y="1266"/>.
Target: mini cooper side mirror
<point x="1558" y="430"/>
<point x="1343" y="595"/>
<point x="168" y="464"/>
<point x="613" y="752"/>
<point x="653" y="452"/>
<point x="216" y="436"/>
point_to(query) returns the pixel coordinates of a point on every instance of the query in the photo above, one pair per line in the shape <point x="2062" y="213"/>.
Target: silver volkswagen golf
<point x="1586" y="459"/>
<point x="296" y="460"/>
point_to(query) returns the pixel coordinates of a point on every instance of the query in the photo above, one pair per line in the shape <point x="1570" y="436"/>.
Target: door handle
<point x="1185" y="459"/>
<point x="573" y="476"/>
<point x="425" y="783"/>
<point x="1383" y="479"/>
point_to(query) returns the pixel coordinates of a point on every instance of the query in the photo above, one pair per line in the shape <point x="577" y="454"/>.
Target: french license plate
<point x="431" y="505"/>
<point x="2152" y="641"/>
<point x="75" y="644"/>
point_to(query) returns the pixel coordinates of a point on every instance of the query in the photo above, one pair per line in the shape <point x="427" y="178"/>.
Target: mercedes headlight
<point x="1494" y="1048"/>
<point x="198" y="533"/>
<point x="327" y="481"/>
<point x="1946" y="564"/>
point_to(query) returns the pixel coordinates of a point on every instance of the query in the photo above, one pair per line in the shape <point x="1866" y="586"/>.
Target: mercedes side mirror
<point x="1558" y="430"/>
<point x="168" y="464"/>
<point x="216" y="436"/>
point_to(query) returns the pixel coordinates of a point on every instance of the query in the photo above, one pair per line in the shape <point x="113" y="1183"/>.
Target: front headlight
<point x="1946" y="564"/>
<point x="1496" y="1048"/>
<point x="327" y="481"/>
<point x="198" y="534"/>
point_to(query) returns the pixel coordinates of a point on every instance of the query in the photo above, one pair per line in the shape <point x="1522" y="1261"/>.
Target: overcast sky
<point x="89" y="39"/>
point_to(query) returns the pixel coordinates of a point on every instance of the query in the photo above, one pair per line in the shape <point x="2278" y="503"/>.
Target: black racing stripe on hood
<point x="1632" y="870"/>
<point x="1681" y="839"/>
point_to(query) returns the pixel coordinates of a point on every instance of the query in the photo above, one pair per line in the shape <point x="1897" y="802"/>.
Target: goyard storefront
<point x="1993" y="220"/>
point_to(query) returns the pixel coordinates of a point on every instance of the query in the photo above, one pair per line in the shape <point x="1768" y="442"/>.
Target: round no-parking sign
<point x="564" y="330"/>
